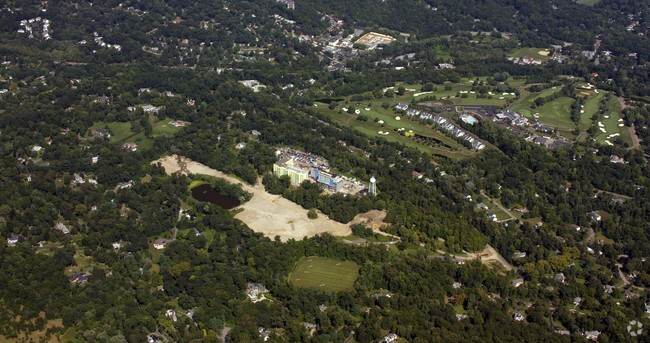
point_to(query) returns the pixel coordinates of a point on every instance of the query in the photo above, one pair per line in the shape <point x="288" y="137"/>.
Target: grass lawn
<point x="530" y="52"/>
<point x="323" y="273"/>
<point x="119" y="130"/>
<point x="196" y="183"/>
<point x="588" y="2"/>
<point x="451" y="148"/>
<point x="605" y="239"/>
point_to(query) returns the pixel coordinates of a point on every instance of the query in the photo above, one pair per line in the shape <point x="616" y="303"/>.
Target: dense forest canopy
<point x="101" y="244"/>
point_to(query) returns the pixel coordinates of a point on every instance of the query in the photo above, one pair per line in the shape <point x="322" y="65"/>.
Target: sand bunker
<point x="543" y="53"/>
<point x="272" y="215"/>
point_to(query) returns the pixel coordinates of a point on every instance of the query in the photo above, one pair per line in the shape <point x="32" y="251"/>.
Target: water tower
<point x="372" y="189"/>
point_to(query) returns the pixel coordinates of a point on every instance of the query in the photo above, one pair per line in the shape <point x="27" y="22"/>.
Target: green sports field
<point x="530" y="52"/>
<point x="327" y="274"/>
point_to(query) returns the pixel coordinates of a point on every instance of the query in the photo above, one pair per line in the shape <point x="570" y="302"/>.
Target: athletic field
<point x="323" y="273"/>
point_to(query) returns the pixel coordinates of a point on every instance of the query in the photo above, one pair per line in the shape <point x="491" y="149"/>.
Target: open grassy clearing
<point x="501" y="215"/>
<point x="532" y="53"/>
<point x="119" y="130"/>
<point x="196" y="183"/>
<point x="327" y="274"/>
<point x="122" y="131"/>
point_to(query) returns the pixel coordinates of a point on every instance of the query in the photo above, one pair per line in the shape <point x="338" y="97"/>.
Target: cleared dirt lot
<point x="272" y="215"/>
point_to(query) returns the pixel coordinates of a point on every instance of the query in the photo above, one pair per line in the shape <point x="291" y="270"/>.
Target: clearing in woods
<point x="323" y="273"/>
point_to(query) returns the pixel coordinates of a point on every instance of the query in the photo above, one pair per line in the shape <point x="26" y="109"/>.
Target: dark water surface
<point x="207" y="193"/>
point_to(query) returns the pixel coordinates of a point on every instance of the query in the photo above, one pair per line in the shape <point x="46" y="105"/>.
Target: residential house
<point x="390" y="338"/>
<point x="61" y="227"/>
<point x="309" y="326"/>
<point x="150" y="109"/>
<point x="240" y="145"/>
<point x="12" y="240"/>
<point x="416" y="175"/>
<point x="160" y="243"/>
<point x="595" y="216"/>
<point x="616" y="159"/>
<point x="171" y="314"/>
<point x="517" y="282"/>
<point x="544" y="128"/>
<point x="103" y="99"/>
<point x="264" y="334"/>
<point x="518" y="316"/>
<point x="577" y="301"/>
<point x="255" y="291"/>
<point x="79" y="278"/>
<point x="592" y="335"/>
<point x="402" y="106"/>
<point x="412" y="112"/>
<point x="381" y="295"/>
<point x="518" y="255"/>
<point x="559" y="277"/>
<point x="124" y="185"/>
<point x="101" y="133"/>
<point x="130" y="146"/>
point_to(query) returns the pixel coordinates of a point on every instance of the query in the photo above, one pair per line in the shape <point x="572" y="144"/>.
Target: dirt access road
<point x="272" y="215"/>
<point x="487" y="256"/>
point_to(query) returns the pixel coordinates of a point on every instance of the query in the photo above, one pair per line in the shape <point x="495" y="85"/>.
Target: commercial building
<point x="287" y="166"/>
<point x="301" y="166"/>
<point x="327" y="180"/>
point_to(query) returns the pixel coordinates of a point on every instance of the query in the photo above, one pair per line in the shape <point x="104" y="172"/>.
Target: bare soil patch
<point x="272" y="215"/>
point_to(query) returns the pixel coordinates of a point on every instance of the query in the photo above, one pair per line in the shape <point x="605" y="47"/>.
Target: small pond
<point x="206" y="193"/>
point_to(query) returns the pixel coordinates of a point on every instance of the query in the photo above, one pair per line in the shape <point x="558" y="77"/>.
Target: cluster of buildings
<point x="79" y="278"/>
<point x="300" y="166"/>
<point x="528" y="129"/>
<point x="255" y="85"/>
<point x="256" y="291"/>
<point x="29" y="26"/>
<point x="444" y="124"/>
<point x="525" y="60"/>
<point x="100" y="41"/>
<point x="458" y="132"/>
